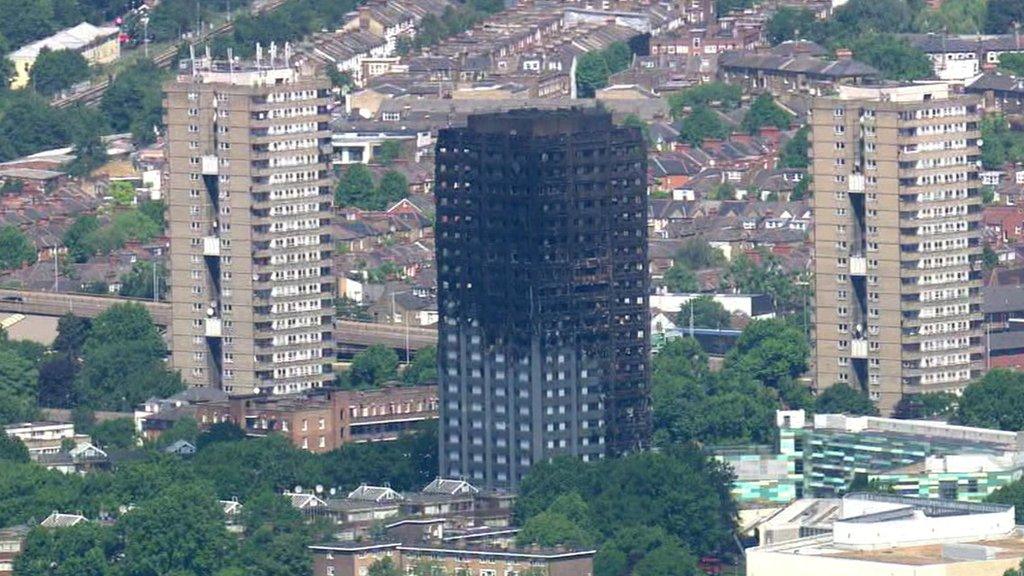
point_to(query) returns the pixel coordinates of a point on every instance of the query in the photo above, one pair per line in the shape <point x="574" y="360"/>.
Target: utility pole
<point x="56" y="274"/>
<point x="156" y="286"/>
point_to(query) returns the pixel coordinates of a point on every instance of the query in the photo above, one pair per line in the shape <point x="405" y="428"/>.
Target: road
<point x="346" y="332"/>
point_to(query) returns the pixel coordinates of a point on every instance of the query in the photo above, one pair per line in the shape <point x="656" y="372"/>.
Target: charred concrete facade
<point x="542" y="292"/>
<point x="249" y="216"/>
<point x="897" y="240"/>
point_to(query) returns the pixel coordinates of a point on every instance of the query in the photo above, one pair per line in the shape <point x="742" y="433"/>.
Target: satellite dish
<point x="210" y="311"/>
<point x="256" y="390"/>
<point x="333" y="491"/>
<point x="319" y="489"/>
<point x="298" y="489"/>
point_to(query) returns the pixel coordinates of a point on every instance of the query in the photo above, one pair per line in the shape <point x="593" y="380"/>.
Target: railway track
<point x="92" y="95"/>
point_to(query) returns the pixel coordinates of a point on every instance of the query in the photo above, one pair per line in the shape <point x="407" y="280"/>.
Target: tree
<point x="1001" y="15"/>
<point x="55" y="387"/>
<point x="680" y="279"/>
<point x="72" y="333"/>
<point x="12" y="449"/>
<point x="384" y="567"/>
<point x="276" y="536"/>
<point x="953" y="17"/>
<point x="116" y="433"/>
<point x="669" y="559"/>
<point x="15" y="249"/>
<point x="995" y="401"/>
<point x="219" y="432"/>
<point x="185" y="428"/>
<point x="1001" y="144"/>
<point x="591" y="74"/>
<point x="656" y="490"/>
<point x="859" y="16"/>
<point x="620" y="554"/>
<point x="707" y="94"/>
<point x="1013" y="494"/>
<point x="343" y="80"/>
<point x="392" y="188"/>
<point x="634" y="121"/>
<point x="85" y="549"/>
<point x="180" y="529"/>
<point x="374" y="366"/>
<point x="563" y="523"/>
<point x="770" y="351"/>
<point x="941" y="405"/>
<point x="76" y="237"/>
<point x="788" y="23"/>
<point x="802" y="189"/>
<point x="388" y="152"/>
<point x="56" y="71"/>
<point x="423" y="368"/>
<point x="138" y="282"/>
<point x="696" y="253"/>
<point x="765" y="112"/>
<point x="355" y="188"/>
<point x="17" y="387"/>
<point x="122" y="192"/>
<point x="1012" y="62"/>
<point x="134" y="100"/>
<point x="794" y="153"/>
<point x="841" y="398"/>
<point x="700" y="125"/>
<point x="123" y="361"/>
<point x="723" y="191"/>
<point x="154" y="210"/>
<point x="894" y="57"/>
<point x="989" y="258"/>
<point x="705" y="313"/>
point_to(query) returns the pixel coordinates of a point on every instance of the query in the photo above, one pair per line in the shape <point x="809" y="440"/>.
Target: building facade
<point x="249" y="215"/>
<point x="542" y="292"/>
<point x="897" y="240"/>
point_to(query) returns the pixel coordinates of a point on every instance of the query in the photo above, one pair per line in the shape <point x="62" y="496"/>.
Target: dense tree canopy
<point x="372" y="367"/>
<point x="1012" y="63"/>
<point x="594" y="68"/>
<point x="764" y="112"/>
<point x="681" y="279"/>
<point x="841" y="398"/>
<point x="794" y="153"/>
<point x="789" y="23"/>
<point x="15" y="248"/>
<point x="933" y="405"/>
<point x="704" y="313"/>
<point x="423" y="368"/>
<point x="1001" y="144"/>
<point x="894" y="57"/>
<point x="700" y="125"/>
<point x="56" y="71"/>
<point x="1001" y="15"/>
<point x="707" y="94"/>
<point x="995" y="401"/>
<point x="355" y="188"/>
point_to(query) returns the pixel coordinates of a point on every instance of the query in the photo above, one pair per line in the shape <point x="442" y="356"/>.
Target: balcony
<point x="214" y="327"/>
<point x="856" y="183"/>
<point x="211" y="246"/>
<point x="210" y="165"/>
<point x="859" y="348"/>
<point x="858" y="266"/>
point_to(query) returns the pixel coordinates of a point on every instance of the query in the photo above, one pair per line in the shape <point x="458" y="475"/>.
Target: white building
<point x="756" y="306"/>
<point x="878" y="534"/>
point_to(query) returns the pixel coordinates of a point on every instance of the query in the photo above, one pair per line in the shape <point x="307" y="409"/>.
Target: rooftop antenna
<point x="287" y="53"/>
<point x="259" y="54"/>
<point x="209" y="60"/>
<point x="192" y="57"/>
<point x="231" y="64"/>
<point x="273" y="53"/>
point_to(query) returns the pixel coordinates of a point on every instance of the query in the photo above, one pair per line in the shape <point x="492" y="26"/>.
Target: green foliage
<point x="563" y="523"/>
<point x="116" y="433"/>
<point x="723" y="7"/>
<point x="72" y="551"/>
<point x="940" y="405"/>
<point x="138" y="282"/>
<point x="594" y="68"/>
<point x="709" y="94"/>
<point x="15" y="249"/>
<point x="185" y="428"/>
<point x="802" y="189"/>
<point x="789" y="23"/>
<point x="634" y="121"/>
<point x="384" y="567"/>
<point x="705" y="312"/>
<point x="702" y="124"/>
<point x="620" y="555"/>
<point x="423" y="368"/>
<point x="351" y="310"/>
<point x="841" y="398"/>
<point x="12" y="449"/>
<point x="276" y="537"/>
<point x="655" y="490"/>
<point x="122" y="192"/>
<point x="859" y="16"/>
<point x="766" y="275"/>
<point x="995" y="401"/>
<point x="392" y="187"/>
<point x="388" y="152"/>
<point x="723" y="191"/>
<point x="794" y="153"/>
<point x="55" y="387"/>
<point x="765" y="112"/>
<point x="1013" y="494"/>
<point x="54" y="72"/>
<point x="219" y="432"/>
<point x="17" y="387"/>
<point x="355" y="188"/>
<point x="989" y="258"/>
<point x="1001" y="144"/>
<point x="374" y="366"/>
<point x="770" y="351"/>
<point x="29" y="125"/>
<point x="75" y="237"/>
<point x="134" y="100"/>
<point x="953" y="17"/>
<point x="696" y="253"/>
<point x="1001" y="15"/>
<point x="123" y="361"/>
<point x="680" y="279"/>
<point x="1012" y="63"/>
<point x="894" y="57"/>
<point x="180" y="529"/>
<point x="341" y="80"/>
<point x="72" y="332"/>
